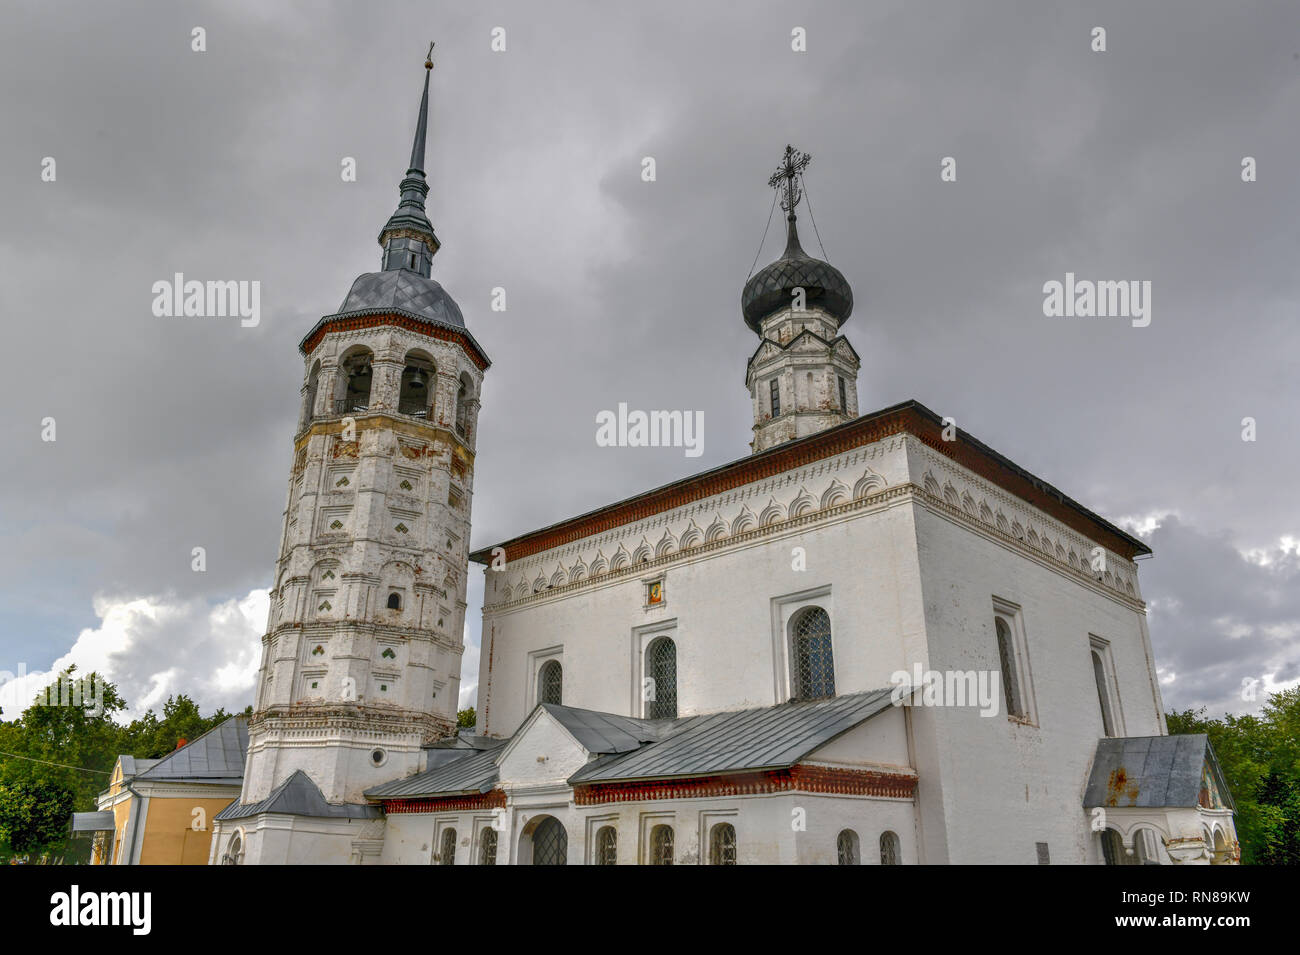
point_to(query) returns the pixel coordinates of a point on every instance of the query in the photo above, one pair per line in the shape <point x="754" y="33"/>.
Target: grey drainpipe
<point x="137" y="809"/>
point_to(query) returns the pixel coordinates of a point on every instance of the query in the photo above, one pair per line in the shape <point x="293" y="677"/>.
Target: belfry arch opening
<point x="355" y="376"/>
<point x="418" y="377"/>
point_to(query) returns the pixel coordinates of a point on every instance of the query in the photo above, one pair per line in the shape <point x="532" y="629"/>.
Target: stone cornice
<point x="359" y="321"/>
<point x="799" y="778"/>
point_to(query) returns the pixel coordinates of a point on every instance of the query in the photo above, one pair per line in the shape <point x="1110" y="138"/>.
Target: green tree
<point x="55" y="759"/>
<point x="1260" y="758"/>
<point x="466" y="718"/>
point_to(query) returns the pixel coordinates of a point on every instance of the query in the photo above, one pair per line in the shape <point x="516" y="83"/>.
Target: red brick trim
<point x="401" y="321"/>
<point x="807" y="779"/>
<point x="910" y="417"/>
<point x="495" y="799"/>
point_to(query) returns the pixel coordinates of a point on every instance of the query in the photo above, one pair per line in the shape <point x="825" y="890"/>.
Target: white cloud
<point x="154" y="647"/>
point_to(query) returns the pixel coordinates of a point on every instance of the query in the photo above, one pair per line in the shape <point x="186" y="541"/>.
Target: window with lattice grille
<point x="889" y="848"/>
<point x="722" y="844"/>
<point x="775" y="391"/>
<point x="814" y="665"/>
<point x="550" y="843"/>
<point x="550" y="683"/>
<point x="607" y="846"/>
<point x="487" y="847"/>
<point x="661" y="668"/>
<point x="847" y="849"/>
<point x="661" y="845"/>
<point x="447" y="849"/>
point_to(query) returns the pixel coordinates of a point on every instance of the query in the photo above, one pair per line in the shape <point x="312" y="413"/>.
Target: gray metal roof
<point x="298" y="796"/>
<point x="134" y="765"/>
<point x="772" y="737"/>
<point x="605" y="732"/>
<point x="1149" y="771"/>
<point x="473" y="772"/>
<point x="93" y="822"/>
<point x="403" y="292"/>
<point x="215" y="757"/>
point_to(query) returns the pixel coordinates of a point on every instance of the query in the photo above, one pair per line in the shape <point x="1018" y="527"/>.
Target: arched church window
<point x="416" y="394"/>
<point x="889" y="848"/>
<point x="722" y="844"/>
<point x="550" y="683"/>
<point x="487" y="847"/>
<point x="814" y="666"/>
<point x="447" y="849"/>
<point x="847" y="848"/>
<point x="394" y="602"/>
<point x="661" y="668"/>
<point x="1103" y="698"/>
<point x="234" y="854"/>
<point x="1010" y="671"/>
<point x="661" y="845"/>
<point x="607" y="846"/>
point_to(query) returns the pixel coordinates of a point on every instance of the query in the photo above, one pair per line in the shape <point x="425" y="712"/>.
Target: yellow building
<point x="159" y="811"/>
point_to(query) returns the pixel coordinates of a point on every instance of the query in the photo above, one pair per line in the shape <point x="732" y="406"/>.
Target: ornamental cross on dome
<point x="793" y="163"/>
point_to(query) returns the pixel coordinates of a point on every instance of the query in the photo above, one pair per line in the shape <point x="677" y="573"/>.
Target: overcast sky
<point x="225" y="164"/>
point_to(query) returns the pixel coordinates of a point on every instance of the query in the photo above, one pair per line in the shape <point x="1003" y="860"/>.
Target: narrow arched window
<point x="722" y="844"/>
<point x="487" y="847"/>
<point x="1010" y="671"/>
<point x="394" y="601"/>
<point x="463" y="395"/>
<point x="889" y="848"/>
<point x="550" y="683"/>
<point x="775" y="391"/>
<point x="814" y="666"/>
<point x="447" y="849"/>
<point x="847" y="848"/>
<point x="309" y="400"/>
<point x="1103" y="698"/>
<point x="607" y="846"/>
<point x="661" y="682"/>
<point x="661" y="845"/>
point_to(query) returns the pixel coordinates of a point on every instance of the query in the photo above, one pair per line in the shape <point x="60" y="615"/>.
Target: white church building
<point x="874" y="640"/>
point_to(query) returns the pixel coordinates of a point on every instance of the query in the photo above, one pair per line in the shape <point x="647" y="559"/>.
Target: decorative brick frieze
<point x="827" y="780"/>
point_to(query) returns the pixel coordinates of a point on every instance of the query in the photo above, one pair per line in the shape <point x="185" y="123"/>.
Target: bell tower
<point x="362" y="655"/>
<point x="803" y="376"/>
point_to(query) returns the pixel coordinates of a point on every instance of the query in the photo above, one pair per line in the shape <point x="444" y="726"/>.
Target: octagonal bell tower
<point x="361" y="658"/>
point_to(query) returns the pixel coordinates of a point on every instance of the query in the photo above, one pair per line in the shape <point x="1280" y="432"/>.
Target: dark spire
<point x="408" y="238"/>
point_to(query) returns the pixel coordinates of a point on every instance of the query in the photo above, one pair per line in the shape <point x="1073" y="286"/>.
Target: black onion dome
<point x="772" y="286"/>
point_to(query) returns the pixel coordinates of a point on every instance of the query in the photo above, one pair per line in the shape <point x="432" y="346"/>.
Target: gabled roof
<point x="215" y="757"/>
<point x="604" y="733"/>
<point x="475" y="771"/>
<point x="772" y="737"/>
<point x="1156" y="771"/>
<point x="298" y="796"/>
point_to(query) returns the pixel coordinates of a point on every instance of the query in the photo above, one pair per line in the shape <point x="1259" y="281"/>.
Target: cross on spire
<point x="793" y="163"/>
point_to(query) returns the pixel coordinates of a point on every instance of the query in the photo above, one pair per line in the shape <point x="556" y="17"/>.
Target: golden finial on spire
<point x="428" y="60"/>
